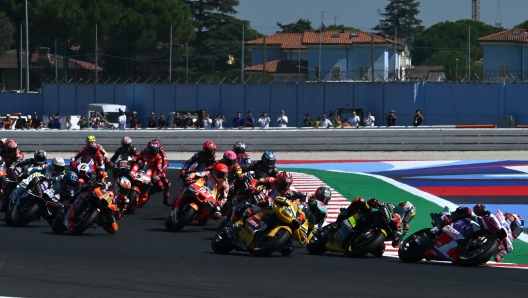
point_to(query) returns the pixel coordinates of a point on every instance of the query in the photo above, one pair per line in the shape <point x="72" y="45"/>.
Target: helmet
<point x="11" y="147"/>
<point x="93" y="147"/>
<point x="57" y="165"/>
<point x="406" y="210"/>
<point x="316" y="211"/>
<point x="124" y="185"/>
<point x="156" y="140"/>
<point x="230" y="158"/>
<point x="239" y="148"/>
<point x="220" y="172"/>
<point x="126" y="142"/>
<point x="153" y="148"/>
<point x="209" y="148"/>
<point x="268" y="159"/>
<point x="71" y="179"/>
<point x="40" y="156"/>
<point x="90" y="139"/>
<point x="516" y="223"/>
<point x="323" y="194"/>
<point x="284" y="180"/>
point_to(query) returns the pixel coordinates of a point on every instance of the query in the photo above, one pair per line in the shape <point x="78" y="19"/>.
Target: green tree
<point x="6" y="34"/>
<point x="300" y="26"/>
<point x="523" y="25"/>
<point x="443" y="43"/>
<point x="338" y="27"/>
<point x="401" y="14"/>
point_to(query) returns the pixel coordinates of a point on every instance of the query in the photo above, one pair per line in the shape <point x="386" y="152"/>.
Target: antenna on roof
<point x="498" y="16"/>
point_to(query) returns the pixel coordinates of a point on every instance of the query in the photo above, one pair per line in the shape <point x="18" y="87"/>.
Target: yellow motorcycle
<point x="263" y="231"/>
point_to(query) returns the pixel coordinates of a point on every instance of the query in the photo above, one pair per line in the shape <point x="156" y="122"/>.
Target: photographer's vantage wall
<point x="441" y="103"/>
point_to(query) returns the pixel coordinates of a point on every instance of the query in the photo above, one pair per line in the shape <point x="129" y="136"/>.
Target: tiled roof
<point x="285" y="40"/>
<point x="338" y="37"/>
<point x="400" y="40"/>
<point x="423" y="72"/>
<point x="276" y="66"/>
<point x="9" y="60"/>
<point x="512" y="35"/>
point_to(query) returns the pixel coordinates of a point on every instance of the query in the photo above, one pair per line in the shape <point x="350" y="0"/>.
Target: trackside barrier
<point x="476" y="126"/>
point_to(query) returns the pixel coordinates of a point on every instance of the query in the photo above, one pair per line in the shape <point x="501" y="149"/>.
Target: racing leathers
<point x="202" y="161"/>
<point x="243" y="159"/>
<point x="100" y="158"/>
<point x="155" y="165"/>
<point x="131" y="151"/>
<point x="11" y="159"/>
<point x="163" y="176"/>
<point x="261" y="171"/>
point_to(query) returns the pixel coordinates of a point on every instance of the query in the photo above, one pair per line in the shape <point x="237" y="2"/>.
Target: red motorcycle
<point x="196" y="202"/>
<point x="141" y="178"/>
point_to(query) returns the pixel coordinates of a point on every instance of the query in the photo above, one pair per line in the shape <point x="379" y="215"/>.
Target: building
<point x="338" y="55"/>
<point x="505" y="55"/>
<point x="426" y="73"/>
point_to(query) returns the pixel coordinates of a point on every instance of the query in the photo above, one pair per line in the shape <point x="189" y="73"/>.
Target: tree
<point x="338" y="27"/>
<point x="401" y="14"/>
<point x="443" y="43"/>
<point x="300" y="26"/>
<point x="6" y="34"/>
<point x="523" y="25"/>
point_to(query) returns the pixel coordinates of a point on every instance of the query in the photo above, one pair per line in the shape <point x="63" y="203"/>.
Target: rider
<point x="322" y="194"/>
<point x="204" y="158"/>
<point x="98" y="155"/>
<point x="152" y="157"/>
<point x="405" y="211"/>
<point x="38" y="161"/>
<point x="265" y="166"/>
<point x="163" y="175"/>
<point x="230" y="160"/>
<point x="277" y="187"/>
<point x="11" y="154"/>
<point x="3" y="143"/>
<point x="243" y="158"/>
<point x="126" y="148"/>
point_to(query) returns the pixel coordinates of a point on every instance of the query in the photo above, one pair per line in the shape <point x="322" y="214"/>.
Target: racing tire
<point x="168" y="223"/>
<point x="410" y="251"/>
<point x="358" y="250"/>
<point x="26" y="216"/>
<point x="56" y="225"/>
<point x="133" y="201"/>
<point x="3" y="202"/>
<point x="317" y="245"/>
<point x="476" y="250"/>
<point x="87" y="222"/>
<point x="185" y="219"/>
<point x="221" y="244"/>
<point x="265" y="246"/>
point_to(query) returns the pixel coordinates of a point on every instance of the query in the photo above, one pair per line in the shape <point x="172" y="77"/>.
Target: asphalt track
<point x="145" y="260"/>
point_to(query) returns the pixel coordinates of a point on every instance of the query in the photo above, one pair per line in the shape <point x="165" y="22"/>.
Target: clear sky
<point x="362" y="14"/>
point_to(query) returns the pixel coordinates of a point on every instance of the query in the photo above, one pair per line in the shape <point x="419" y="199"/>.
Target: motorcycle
<point x="465" y="242"/>
<point x="362" y="233"/>
<point x="11" y="177"/>
<point x="196" y="202"/>
<point x="84" y="166"/>
<point x="122" y="166"/>
<point x="92" y="206"/>
<point x="37" y="201"/>
<point x="140" y="177"/>
<point x="261" y="234"/>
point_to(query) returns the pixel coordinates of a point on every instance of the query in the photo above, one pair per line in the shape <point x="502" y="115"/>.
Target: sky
<point x="363" y="15"/>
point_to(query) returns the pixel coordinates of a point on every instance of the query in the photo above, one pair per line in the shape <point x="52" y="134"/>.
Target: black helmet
<point x="40" y="156"/>
<point x="323" y="194"/>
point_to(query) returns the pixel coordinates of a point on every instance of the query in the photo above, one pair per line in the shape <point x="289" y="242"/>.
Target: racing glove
<point x="373" y="202"/>
<point x="182" y="174"/>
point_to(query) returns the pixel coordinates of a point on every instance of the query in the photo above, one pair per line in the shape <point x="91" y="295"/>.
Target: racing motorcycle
<point x="37" y="201"/>
<point x="89" y="208"/>
<point x="122" y="166"/>
<point x="141" y="183"/>
<point x="360" y="234"/>
<point x="196" y="202"/>
<point x="466" y="242"/>
<point x="84" y="167"/>
<point x="263" y="233"/>
<point x="10" y="179"/>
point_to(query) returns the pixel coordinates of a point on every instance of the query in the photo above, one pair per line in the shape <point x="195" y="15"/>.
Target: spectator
<point x="58" y="118"/>
<point x="418" y="118"/>
<point x="68" y="122"/>
<point x="161" y="122"/>
<point x="21" y="123"/>
<point x="282" y="121"/>
<point x="1" y="122"/>
<point x="8" y="122"/>
<point x="391" y="118"/>
<point x="219" y="121"/>
<point x="94" y="121"/>
<point x="369" y="119"/>
<point x="83" y="123"/>
<point x="337" y="122"/>
<point x="201" y="117"/>
<point x="325" y="122"/>
<point x="33" y="118"/>
<point x="238" y="121"/>
<point x="121" y="119"/>
<point x="178" y="121"/>
<point x="134" y="121"/>
<point x="189" y="121"/>
<point x="152" y="122"/>
<point x="354" y="120"/>
<point x="207" y="122"/>
<point x="264" y="120"/>
<point x="307" y="122"/>
<point x="250" y="121"/>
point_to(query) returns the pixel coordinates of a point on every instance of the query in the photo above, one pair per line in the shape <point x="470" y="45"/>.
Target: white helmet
<point x="57" y="166"/>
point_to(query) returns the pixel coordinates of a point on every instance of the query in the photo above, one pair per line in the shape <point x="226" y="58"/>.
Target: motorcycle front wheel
<point x="26" y="215"/>
<point x="411" y="250"/>
<point x="265" y="245"/>
<point x="361" y="246"/>
<point x="184" y="219"/>
<point x="476" y="250"/>
<point x="86" y="221"/>
<point x="221" y="244"/>
<point x="317" y="245"/>
<point x="133" y="200"/>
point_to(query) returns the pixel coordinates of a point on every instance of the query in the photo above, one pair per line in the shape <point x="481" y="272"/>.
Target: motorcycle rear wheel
<point x="221" y="244"/>
<point x="410" y="251"/>
<point x="133" y="200"/>
<point x="56" y="226"/>
<point x="87" y="222"/>
<point x="26" y="216"/>
<point x="265" y="246"/>
<point x="317" y="245"/>
<point x="7" y="217"/>
<point x="185" y="219"/>
<point x="358" y="250"/>
<point x="476" y="250"/>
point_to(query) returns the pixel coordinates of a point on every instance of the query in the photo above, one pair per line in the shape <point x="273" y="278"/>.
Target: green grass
<point x="354" y="185"/>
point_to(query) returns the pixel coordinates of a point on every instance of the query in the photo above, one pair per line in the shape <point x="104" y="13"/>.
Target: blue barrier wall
<point x="441" y="103"/>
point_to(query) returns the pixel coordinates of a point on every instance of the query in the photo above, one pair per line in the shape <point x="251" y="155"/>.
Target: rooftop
<point x="277" y="66"/>
<point x="284" y="40"/>
<point x="9" y="60"/>
<point x="343" y="37"/>
<point x="511" y="35"/>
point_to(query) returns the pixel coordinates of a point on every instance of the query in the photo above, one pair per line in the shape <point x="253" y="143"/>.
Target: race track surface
<point x="145" y="260"/>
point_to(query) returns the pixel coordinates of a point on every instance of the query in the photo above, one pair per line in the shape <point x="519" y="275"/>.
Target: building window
<point x="363" y="72"/>
<point x="504" y="70"/>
